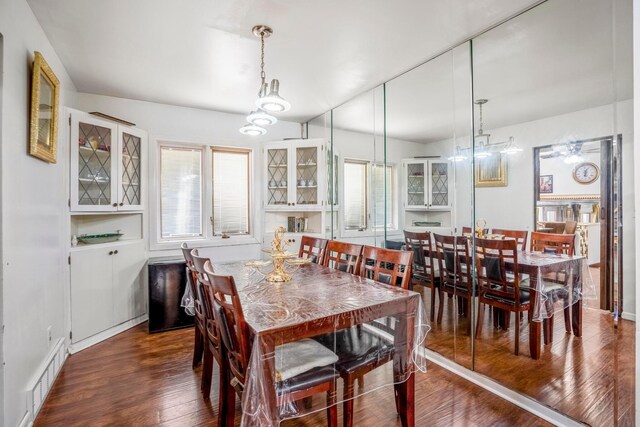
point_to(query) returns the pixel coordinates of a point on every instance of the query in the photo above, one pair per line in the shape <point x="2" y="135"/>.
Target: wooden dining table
<point x="320" y="300"/>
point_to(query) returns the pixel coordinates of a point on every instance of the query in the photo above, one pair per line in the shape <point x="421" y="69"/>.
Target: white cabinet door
<point x="93" y="164"/>
<point x="131" y="160"/>
<point x="277" y="164"/>
<point x="416" y="192"/>
<point x="91" y="292"/>
<point x="439" y="188"/>
<point x="128" y="282"/>
<point x="308" y="174"/>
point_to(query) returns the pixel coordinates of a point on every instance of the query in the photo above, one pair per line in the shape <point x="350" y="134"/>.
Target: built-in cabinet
<point x="107" y="286"/>
<point x="106" y="165"/>
<point x="426" y="184"/>
<point x="295" y="188"/>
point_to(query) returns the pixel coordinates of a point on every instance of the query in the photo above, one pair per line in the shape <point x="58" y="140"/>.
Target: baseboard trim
<point x="98" y="338"/>
<point x="628" y="316"/>
<point x="524" y="402"/>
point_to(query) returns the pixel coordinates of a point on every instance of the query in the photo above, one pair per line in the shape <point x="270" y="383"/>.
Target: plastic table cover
<point x="320" y="301"/>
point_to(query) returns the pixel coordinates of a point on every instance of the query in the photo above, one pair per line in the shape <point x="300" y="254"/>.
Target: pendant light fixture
<point x="269" y="99"/>
<point x="481" y="139"/>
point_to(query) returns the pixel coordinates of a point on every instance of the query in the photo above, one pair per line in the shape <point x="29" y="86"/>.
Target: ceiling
<point x="202" y="54"/>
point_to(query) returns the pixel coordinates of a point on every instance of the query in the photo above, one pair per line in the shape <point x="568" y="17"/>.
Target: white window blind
<point x="379" y="204"/>
<point x="230" y="191"/>
<point x="180" y="192"/>
<point x="355" y="199"/>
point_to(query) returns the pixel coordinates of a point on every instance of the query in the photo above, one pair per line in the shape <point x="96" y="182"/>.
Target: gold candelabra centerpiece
<point x="480" y="226"/>
<point x="280" y="259"/>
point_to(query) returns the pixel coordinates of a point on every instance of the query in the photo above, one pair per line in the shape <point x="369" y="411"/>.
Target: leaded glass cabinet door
<point x="277" y="172"/>
<point x="306" y="183"/>
<point x="93" y="164"/>
<point x="439" y="185"/>
<point x="133" y="143"/>
<point x="416" y="190"/>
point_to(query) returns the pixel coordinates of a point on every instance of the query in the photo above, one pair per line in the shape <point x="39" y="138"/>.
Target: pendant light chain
<point x="480" y="106"/>
<point x="263" y="76"/>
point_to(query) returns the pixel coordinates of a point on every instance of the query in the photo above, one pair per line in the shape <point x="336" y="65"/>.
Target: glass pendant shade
<point x="511" y="148"/>
<point x="272" y="101"/>
<point x="261" y="118"/>
<point x="252" y="130"/>
<point x="458" y="156"/>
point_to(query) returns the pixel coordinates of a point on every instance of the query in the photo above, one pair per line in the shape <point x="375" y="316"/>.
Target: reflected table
<point x="539" y="266"/>
<point x="319" y="300"/>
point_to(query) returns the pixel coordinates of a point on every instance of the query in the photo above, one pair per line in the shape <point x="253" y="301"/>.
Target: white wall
<point x="563" y="182"/>
<point x="34" y="193"/>
<point x="512" y="206"/>
<point x="200" y="127"/>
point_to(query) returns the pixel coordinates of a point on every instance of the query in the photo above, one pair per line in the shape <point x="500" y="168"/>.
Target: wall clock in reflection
<point x="586" y="172"/>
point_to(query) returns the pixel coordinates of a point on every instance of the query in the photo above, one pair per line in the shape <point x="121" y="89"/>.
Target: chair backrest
<point x="554" y="243"/>
<point x="454" y="260"/>
<point x="520" y="236"/>
<point x="192" y="280"/>
<point x="313" y="248"/>
<point x="494" y="259"/>
<point x="231" y="323"/>
<point x="387" y="266"/>
<point x="424" y="258"/>
<point x="469" y="230"/>
<point x="343" y="256"/>
<point x="208" y="302"/>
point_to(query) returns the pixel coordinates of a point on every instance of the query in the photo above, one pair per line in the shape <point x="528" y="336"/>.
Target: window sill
<point x="211" y="242"/>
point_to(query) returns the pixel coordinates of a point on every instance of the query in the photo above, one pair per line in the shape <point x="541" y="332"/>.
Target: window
<point x="355" y="200"/>
<point x="180" y="192"/>
<point x="231" y="172"/>
<point x="365" y="199"/>
<point x="379" y="193"/>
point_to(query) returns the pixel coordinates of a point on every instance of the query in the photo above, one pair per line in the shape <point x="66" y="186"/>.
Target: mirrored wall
<point x="525" y="128"/>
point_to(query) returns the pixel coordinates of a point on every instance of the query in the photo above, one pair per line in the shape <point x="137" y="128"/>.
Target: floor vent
<point x="46" y="376"/>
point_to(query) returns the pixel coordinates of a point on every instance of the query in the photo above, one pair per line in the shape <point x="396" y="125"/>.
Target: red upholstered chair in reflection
<point x="235" y="335"/>
<point x="425" y="264"/>
<point x="499" y="285"/>
<point x="313" y="248"/>
<point x="343" y="256"/>
<point x="454" y="265"/>
<point x="520" y="236"/>
<point x="212" y="343"/>
<point x="360" y="350"/>
<point x="556" y="283"/>
<point x="200" y="322"/>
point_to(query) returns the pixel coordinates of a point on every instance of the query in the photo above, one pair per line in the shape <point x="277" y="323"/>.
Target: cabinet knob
<point x="288" y="204"/>
<point x="115" y="205"/>
<point x="121" y="203"/>
<point x="110" y="252"/>
<point x="115" y="252"/>
<point x="293" y="204"/>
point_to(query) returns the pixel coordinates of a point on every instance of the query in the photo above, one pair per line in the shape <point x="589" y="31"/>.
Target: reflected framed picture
<point x="546" y="184"/>
<point x="491" y="171"/>
<point x="43" y="131"/>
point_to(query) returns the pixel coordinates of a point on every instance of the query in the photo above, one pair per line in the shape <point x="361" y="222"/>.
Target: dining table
<point x="316" y="301"/>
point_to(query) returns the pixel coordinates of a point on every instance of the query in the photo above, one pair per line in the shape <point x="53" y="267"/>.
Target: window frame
<point x="249" y="154"/>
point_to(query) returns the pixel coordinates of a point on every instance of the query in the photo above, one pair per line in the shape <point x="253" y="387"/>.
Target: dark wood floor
<point x="144" y="380"/>
<point x="591" y="378"/>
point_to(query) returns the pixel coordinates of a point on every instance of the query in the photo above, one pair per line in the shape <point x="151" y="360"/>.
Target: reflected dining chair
<point x="313" y="376"/>
<point x="499" y="282"/>
<point x="520" y="236"/>
<point x="454" y="265"/>
<point x="313" y="248"/>
<point x="556" y="289"/>
<point x="343" y="256"/>
<point x="360" y="350"/>
<point x="200" y="322"/>
<point x="425" y="265"/>
<point x="212" y="344"/>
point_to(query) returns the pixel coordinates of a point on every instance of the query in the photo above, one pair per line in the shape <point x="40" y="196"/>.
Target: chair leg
<point x="433" y="303"/>
<point x="467" y="313"/>
<point x="332" y="408"/>
<point x="360" y="382"/>
<point x="198" y="347"/>
<point x="547" y="329"/>
<point x="480" y="319"/>
<point x="230" y="404"/>
<point x="567" y="318"/>
<point x="207" y="373"/>
<point x="347" y="407"/>
<point x="440" y="306"/>
<point x="223" y="379"/>
<point x="517" y="334"/>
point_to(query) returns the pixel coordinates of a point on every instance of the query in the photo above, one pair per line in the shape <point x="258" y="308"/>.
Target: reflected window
<point x="355" y="195"/>
<point x="378" y="196"/>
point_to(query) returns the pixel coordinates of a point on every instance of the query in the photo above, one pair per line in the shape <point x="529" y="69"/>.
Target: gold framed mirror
<point x="45" y="87"/>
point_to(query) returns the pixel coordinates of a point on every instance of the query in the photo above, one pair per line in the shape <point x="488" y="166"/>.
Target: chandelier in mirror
<point x="269" y="99"/>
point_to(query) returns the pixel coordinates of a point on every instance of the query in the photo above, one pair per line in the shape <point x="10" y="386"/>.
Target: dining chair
<point x="343" y="256"/>
<point x="471" y="230"/>
<point x="425" y="265"/>
<point x="200" y="322"/>
<point x="298" y="376"/>
<point x="313" y="248"/>
<point x="454" y="266"/>
<point x="499" y="282"/>
<point x="360" y="350"/>
<point x="212" y="347"/>
<point x="520" y="236"/>
<point x="556" y="288"/>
